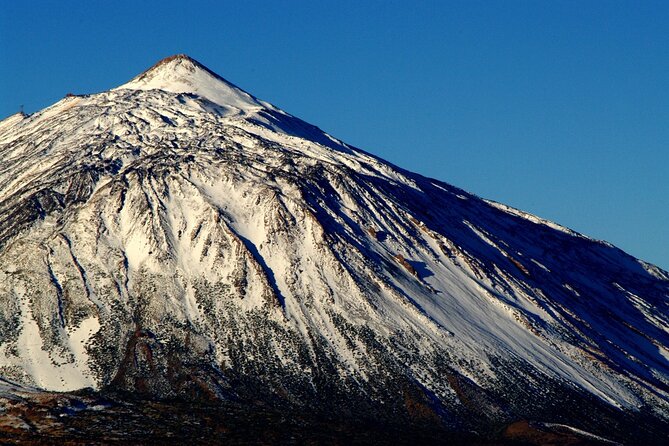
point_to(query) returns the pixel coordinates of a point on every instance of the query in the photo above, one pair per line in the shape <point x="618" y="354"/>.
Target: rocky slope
<point x="176" y="237"/>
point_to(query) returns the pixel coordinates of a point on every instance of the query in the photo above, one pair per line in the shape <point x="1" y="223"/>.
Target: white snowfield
<point x="181" y="207"/>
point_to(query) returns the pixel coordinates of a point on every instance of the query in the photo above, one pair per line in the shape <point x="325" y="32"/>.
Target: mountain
<point x="177" y="239"/>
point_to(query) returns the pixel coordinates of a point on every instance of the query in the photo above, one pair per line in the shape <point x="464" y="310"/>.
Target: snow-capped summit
<point x="210" y="92"/>
<point x="177" y="237"/>
<point x="182" y="74"/>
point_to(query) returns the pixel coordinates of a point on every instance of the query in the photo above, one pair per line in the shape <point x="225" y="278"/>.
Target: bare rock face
<point x="177" y="237"/>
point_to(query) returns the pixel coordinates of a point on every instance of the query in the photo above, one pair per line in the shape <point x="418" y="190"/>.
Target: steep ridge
<point x="178" y="237"/>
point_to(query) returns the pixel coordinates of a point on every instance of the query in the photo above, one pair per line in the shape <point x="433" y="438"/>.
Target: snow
<point x="182" y="74"/>
<point x="201" y="190"/>
<point x="533" y="218"/>
<point x="46" y="369"/>
<point x="579" y="432"/>
<point x="79" y="338"/>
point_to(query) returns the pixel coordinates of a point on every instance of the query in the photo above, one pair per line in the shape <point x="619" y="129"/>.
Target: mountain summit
<point x="181" y="74"/>
<point x="177" y="239"/>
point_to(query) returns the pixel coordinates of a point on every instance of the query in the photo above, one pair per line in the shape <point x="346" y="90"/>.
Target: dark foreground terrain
<point x="84" y="418"/>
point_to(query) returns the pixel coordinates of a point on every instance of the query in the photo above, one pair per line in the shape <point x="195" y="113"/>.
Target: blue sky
<point x="557" y="108"/>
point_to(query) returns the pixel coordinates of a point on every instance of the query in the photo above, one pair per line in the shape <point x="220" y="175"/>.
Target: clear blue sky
<point x="557" y="108"/>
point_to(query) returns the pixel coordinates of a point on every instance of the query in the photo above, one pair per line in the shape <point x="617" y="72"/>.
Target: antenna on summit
<point x="21" y="111"/>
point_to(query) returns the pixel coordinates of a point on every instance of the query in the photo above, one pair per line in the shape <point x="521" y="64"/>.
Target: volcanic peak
<point x="183" y="74"/>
